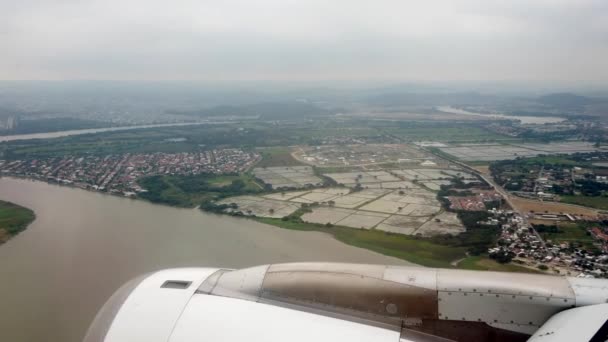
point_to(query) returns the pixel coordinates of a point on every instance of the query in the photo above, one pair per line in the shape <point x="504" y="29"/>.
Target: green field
<point x="444" y="132"/>
<point x="599" y="202"/>
<point x="483" y="263"/>
<point x="13" y="219"/>
<point x="276" y="156"/>
<point x="419" y="251"/>
<point x="225" y="180"/>
<point x="570" y="232"/>
<point x="250" y="134"/>
<point x="191" y="191"/>
<point x="555" y="160"/>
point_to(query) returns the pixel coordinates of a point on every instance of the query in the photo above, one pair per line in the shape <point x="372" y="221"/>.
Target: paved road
<point x="505" y="194"/>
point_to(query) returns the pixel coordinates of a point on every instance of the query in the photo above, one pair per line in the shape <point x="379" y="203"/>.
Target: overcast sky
<point x="305" y="40"/>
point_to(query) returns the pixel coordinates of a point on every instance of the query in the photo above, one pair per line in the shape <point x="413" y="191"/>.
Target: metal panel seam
<point x="186" y="305"/>
<point x="261" y="290"/>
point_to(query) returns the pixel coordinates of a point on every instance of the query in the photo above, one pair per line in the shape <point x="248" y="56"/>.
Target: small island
<point x="13" y="220"/>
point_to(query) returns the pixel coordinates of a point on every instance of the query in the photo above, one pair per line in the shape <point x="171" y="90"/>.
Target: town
<point x="579" y="177"/>
<point x="523" y="244"/>
<point x="427" y="196"/>
<point x="118" y="173"/>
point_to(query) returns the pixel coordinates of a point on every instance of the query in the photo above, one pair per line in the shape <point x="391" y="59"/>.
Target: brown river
<point x="83" y="245"/>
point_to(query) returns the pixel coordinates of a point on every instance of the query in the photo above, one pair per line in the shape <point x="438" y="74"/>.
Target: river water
<point x="538" y="120"/>
<point x="83" y="245"/>
<point x="59" y="134"/>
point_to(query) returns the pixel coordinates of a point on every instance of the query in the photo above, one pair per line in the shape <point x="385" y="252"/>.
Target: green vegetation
<point x="447" y="132"/>
<point x="477" y="238"/>
<point x="56" y="124"/>
<point x="589" y="187"/>
<point x="13" y="219"/>
<point x="553" y="160"/>
<point x="527" y="164"/>
<point x="150" y="140"/>
<point x="276" y="156"/>
<point x="477" y="163"/>
<point x="546" y="137"/>
<point x="599" y="202"/>
<point x="438" y="251"/>
<point x="266" y="110"/>
<point x="582" y="188"/>
<point x="270" y="139"/>
<point x="410" y="248"/>
<point x="572" y="232"/>
<point x="526" y="167"/>
<point x="190" y="191"/>
<point x="438" y="152"/>
<point x="246" y="134"/>
<point x="484" y="263"/>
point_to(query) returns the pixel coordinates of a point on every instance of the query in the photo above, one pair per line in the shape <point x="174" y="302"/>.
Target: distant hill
<point x="430" y="99"/>
<point x="565" y="100"/>
<point x="266" y="110"/>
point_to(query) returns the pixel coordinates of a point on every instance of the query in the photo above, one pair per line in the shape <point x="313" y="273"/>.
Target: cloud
<point x="313" y="39"/>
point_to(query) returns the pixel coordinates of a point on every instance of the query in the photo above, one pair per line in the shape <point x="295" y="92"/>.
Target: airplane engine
<point x="352" y="302"/>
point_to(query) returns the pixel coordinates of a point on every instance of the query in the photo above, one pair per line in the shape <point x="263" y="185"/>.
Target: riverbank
<point x="418" y="250"/>
<point x="13" y="220"/>
<point x="414" y="249"/>
<point x="67" y="133"/>
<point x="83" y="240"/>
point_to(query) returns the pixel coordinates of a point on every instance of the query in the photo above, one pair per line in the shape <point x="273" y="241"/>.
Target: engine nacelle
<point x="329" y="301"/>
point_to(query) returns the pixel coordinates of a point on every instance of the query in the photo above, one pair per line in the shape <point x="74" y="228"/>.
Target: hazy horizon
<point x="562" y="42"/>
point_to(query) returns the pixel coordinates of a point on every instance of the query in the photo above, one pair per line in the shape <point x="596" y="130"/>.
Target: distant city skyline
<point x="562" y="41"/>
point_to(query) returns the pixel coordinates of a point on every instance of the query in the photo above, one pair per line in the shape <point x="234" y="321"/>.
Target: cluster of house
<point x="119" y="173"/>
<point x="505" y="129"/>
<point x="476" y="202"/>
<point x="549" y="182"/>
<point x="515" y="129"/>
<point x="522" y="244"/>
<point x="544" y="182"/>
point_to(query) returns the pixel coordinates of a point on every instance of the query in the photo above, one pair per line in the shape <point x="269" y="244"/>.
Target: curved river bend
<point x="83" y="245"/>
<point x="59" y="134"/>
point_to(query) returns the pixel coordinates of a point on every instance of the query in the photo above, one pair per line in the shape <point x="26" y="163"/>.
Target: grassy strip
<point x="599" y="202"/>
<point x="482" y="263"/>
<point x="404" y="247"/>
<point x="13" y="219"/>
<point x="477" y="163"/>
<point x="437" y="151"/>
<point x="442" y="132"/>
<point x="338" y="169"/>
